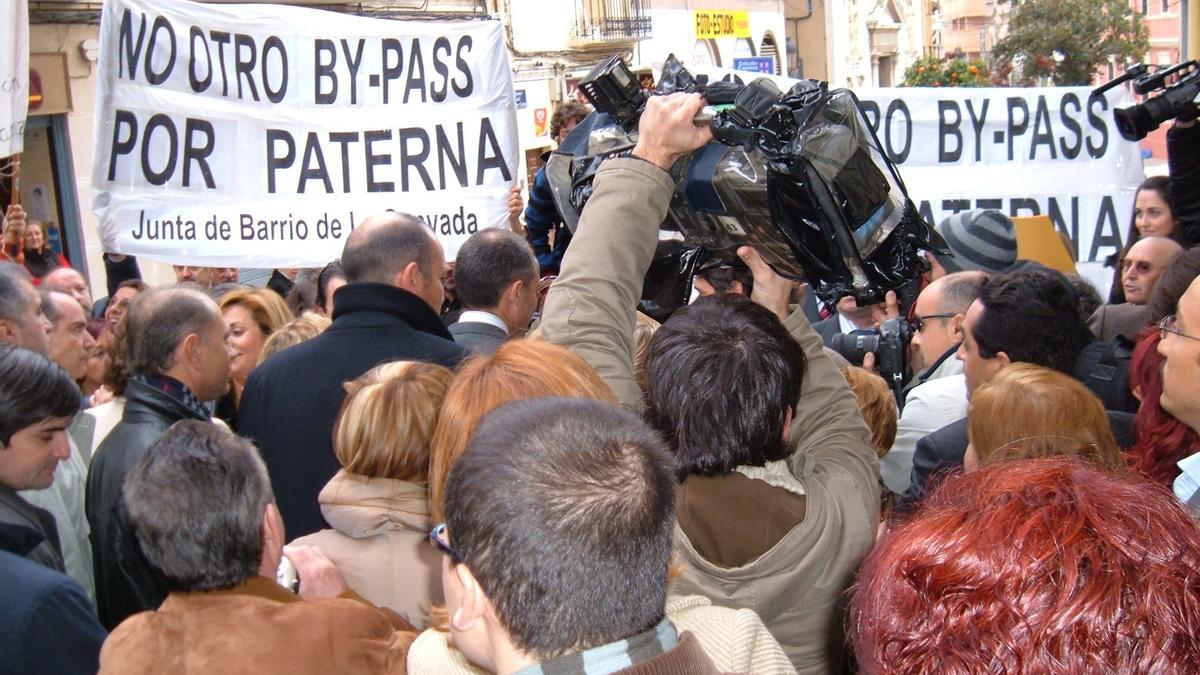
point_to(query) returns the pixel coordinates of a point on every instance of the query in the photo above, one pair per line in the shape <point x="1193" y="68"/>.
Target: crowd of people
<point x="398" y="464"/>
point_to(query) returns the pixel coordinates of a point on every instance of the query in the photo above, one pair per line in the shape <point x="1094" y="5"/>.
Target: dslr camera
<point x="889" y="344"/>
<point x="1179" y="86"/>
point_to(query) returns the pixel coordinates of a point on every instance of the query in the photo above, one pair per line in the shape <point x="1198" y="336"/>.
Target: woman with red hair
<point x="1040" y="566"/>
<point x="1162" y="440"/>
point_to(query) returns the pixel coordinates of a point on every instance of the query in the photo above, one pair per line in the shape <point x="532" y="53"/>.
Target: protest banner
<point x="261" y="135"/>
<point x="14" y="76"/>
<point x="1051" y="151"/>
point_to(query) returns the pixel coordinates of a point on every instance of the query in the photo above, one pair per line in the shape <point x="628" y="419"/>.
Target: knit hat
<point x="983" y="239"/>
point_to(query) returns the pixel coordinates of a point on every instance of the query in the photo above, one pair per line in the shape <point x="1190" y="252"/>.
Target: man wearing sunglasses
<point x="939" y="392"/>
<point x="1140" y="270"/>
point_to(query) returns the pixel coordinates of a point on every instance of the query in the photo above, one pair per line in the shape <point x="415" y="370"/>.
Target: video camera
<point x="1178" y="99"/>
<point x="799" y="175"/>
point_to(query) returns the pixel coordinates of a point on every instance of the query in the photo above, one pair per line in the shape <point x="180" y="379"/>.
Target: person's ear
<point x="189" y="351"/>
<point x="956" y="325"/>
<point x="473" y="604"/>
<point x="736" y="288"/>
<point x="273" y="539"/>
<point x="10" y="332"/>
<point x="1003" y="358"/>
<point x="409" y="278"/>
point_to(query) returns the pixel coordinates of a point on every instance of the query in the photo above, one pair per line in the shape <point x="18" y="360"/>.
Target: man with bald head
<point x="1144" y="263"/>
<point x="177" y="359"/>
<point x="387" y="311"/>
<point x="68" y="280"/>
<point x="938" y="395"/>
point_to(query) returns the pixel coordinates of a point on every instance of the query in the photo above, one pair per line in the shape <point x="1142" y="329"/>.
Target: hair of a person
<point x="1088" y="295"/>
<point x="722" y="275"/>
<point x="38" y="224"/>
<point x="565" y="113"/>
<point x="158" y="320"/>
<point x="197" y="501"/>
<point x="1033" y="316"/>
<point x="267" y="309"/>
<point x="1161" y="185"/>
<point x="387" y="248"/>
<point x="303" y="296"/>
<point x="877" y="405"/>
<point x="50" y="308"/>
<point x="32" y="388"/>
<point x="519" y="369"/>
<point x="1047" y="565"/>
<point x="563" y="509"/>
<point x="116" y="362"/>
<point x="721" y="376"/>
<point x="13" y="301"/>
<point x="1172" y="285"/>
<point x="333" y="270"/>
<point x="387" y="420"/>
<point x="97" y="326"/>
<point x="643" y="329"/>
<point x="1161" y="440"/>
<point x="959" y="290"/>
<point x="304" y="327"/>
<point x="136" y="284"/>
<point x="488" y="262"/>
<point x="1027" y="411"/>
<point x="221" y="290"/>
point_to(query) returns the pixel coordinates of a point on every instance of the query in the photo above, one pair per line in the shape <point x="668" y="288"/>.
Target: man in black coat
<point x="1026" y="317"/>
<point x="386" y="312"/>
<point x="177" y="358"/>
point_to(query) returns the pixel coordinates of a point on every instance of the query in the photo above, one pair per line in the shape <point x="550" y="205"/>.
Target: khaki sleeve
<point x="828" y="427"/>
<point x="591" y="306"/>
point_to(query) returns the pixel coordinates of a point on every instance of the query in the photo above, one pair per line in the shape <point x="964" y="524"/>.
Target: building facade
<point x="855" y="43"/>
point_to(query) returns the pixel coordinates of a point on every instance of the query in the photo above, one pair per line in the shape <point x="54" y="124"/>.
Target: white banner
<point x="14" y="76"/>
<point x="1025" y="151"/>
<point x="1030" y="151"/>
<point x="260" y="135"/>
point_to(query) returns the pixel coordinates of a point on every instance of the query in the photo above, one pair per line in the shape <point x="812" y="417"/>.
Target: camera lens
<point x="856" y="345"/>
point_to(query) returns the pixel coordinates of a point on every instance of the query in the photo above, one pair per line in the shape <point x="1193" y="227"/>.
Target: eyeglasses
<point x="918" y="322"/>
<point x="1141" y="266"/>
<point x="438" y="537"/>
<point x="1167" y="325"/>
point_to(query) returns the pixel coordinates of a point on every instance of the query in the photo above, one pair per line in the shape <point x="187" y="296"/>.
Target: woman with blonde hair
<point x="378" y="503"/>
<point x="252" y="314"/>
<point x="519" y="369"/>
<point x="1027" y="411"/>
<point x="305" y="327"/>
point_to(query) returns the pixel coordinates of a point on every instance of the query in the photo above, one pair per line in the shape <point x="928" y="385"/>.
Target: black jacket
<point x="1183" y="159"/>
<point x="125" y="582"/>
<point x="291" y="401"/>
<point x="47" y="620"/>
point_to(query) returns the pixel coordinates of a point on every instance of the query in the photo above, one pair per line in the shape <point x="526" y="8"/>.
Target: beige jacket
<point x="798" y="586"/>
<point x="378" y="541"/>
<point x="735" y="640"/>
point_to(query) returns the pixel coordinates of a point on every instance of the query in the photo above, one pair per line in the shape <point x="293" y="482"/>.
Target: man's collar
<point x="480" y="316"/>
<point x="611" y="657"/>
<point x="177" y="390"/>
<point x="928" y="372"/>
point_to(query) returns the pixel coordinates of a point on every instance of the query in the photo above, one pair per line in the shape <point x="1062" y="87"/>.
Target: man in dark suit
<point x="386" y="312"/>
<point x="1026" y="317"/>
<point x="496" y="275"/>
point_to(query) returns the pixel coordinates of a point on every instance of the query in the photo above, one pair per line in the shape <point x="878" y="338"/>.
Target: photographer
<point x="1183" y="160"/>
<point x="779" y="494"/>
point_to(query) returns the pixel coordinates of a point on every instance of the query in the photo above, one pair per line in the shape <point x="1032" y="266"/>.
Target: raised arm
<point x="591" y="307"/>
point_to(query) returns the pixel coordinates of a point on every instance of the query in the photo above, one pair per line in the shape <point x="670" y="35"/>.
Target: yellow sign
<point x="1037" y="240"/>
<point x="721" y="23"/>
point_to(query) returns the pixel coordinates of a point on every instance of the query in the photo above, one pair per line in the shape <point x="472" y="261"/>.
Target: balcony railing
<point x="610" y="21"/>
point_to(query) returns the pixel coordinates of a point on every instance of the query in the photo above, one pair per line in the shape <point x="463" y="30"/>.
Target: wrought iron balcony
<point x="610" y="21"/>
